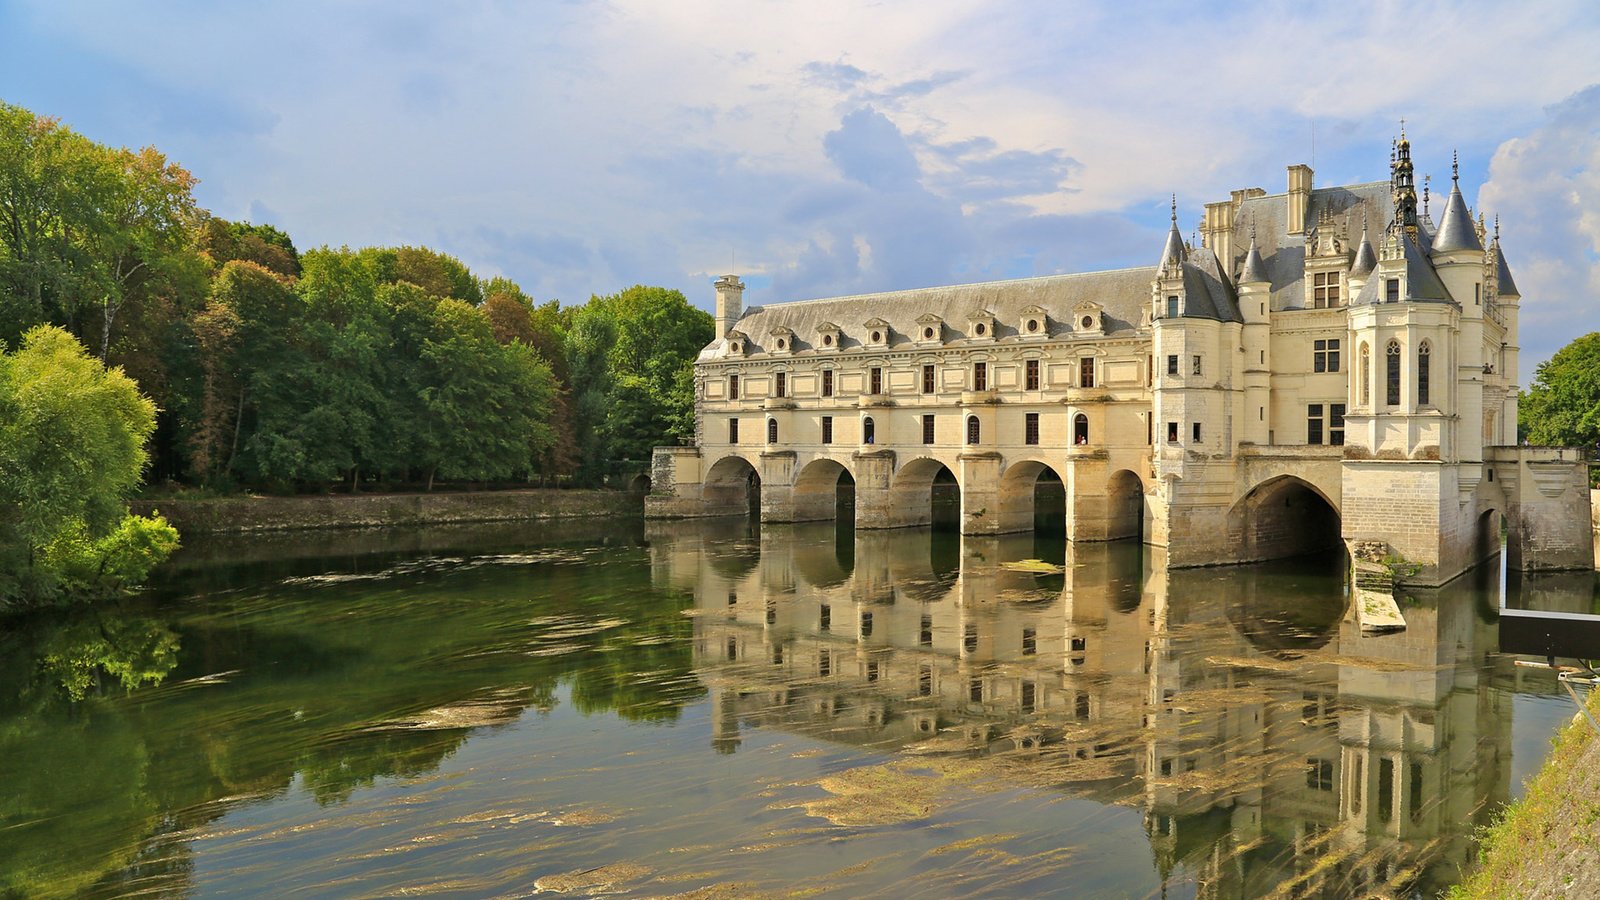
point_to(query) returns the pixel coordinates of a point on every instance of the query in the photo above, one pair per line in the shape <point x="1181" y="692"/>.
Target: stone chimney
<point x="730" y="303"/>
<point x="1299" y="197"/>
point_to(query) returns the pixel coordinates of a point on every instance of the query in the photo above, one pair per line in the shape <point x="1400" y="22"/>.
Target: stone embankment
<point x="251" y="513"/>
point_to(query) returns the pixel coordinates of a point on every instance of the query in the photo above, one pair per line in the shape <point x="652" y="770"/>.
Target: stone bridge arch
<point x="1021" y="485"/>
<point x="731" y="486"/>
<point x="1284" y="516"/>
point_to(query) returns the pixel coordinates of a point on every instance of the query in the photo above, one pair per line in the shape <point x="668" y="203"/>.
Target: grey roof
<point x="1123" y="295"/>
<point x="1502" y="276"/>
<point x="1207" y="293"/>
<point x="1456" y="230"/>
<point x="1422" y="282"/>
<point x="1365" y="260"/>
<point x="1255" y="271"/>
<point x="1174" y="250"/>
<point x="1284" y="253"/>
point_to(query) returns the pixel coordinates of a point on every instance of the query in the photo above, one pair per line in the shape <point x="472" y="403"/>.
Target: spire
<point x="1456" y="230"/>
<point x="1365" y="260"/>
<point x="1254" y="271"/>
<point x="1403" y="188"/>
<point x="1504" y="285"/>
<point x="1173" y="253"/>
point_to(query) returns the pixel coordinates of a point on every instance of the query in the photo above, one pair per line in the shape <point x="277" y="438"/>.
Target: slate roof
<point x="1284" y="253"/>
<point x="1503" y="274"/>
<point x="1456" y="229"/>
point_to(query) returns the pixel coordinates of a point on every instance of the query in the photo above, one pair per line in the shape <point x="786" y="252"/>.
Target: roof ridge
<point x="944" y="287"/>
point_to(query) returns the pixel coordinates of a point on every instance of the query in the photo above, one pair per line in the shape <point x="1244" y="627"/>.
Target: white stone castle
<point x="1328" y="365"/>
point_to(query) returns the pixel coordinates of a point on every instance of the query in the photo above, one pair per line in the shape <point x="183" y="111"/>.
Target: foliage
<point x="1562" y="407"/>
<point x="72" y="436"/>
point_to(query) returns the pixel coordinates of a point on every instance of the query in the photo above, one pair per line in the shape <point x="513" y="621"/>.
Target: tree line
<point x="280" y="370"/>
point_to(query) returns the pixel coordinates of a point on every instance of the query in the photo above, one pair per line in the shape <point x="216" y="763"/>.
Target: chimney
<point x="1299" y="197"/>
<point x="730" y="303"/>
<point x="1216" y="234"/>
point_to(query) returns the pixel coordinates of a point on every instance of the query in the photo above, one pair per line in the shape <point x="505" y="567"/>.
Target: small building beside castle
<point x="1328" y="365"/>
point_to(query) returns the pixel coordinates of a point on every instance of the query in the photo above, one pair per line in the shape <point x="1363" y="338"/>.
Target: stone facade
<point x="1329" y="364"/>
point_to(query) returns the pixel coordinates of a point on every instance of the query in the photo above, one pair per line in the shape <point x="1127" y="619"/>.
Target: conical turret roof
<point x="1366" y="259"/>
<point x="1502" y="275"/>
<point x="1456" y="230"/>
<point x="1255" y="270"/>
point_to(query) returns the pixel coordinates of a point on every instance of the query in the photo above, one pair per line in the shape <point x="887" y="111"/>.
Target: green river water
<point x="712" y="709"/>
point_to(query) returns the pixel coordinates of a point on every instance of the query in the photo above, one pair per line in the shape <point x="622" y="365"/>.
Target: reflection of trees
<point x="343" y="683"/>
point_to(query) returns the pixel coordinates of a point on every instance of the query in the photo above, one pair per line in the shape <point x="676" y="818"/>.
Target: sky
<point x="827" y="148"/>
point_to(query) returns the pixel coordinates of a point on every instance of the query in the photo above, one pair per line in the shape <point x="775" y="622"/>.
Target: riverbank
<point x="1548" y="843"/>
<point x="254" y="513"/>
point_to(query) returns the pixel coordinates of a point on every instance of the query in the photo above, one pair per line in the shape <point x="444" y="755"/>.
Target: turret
<point x="1255" y="304"/>
<point x="730" y="303"/>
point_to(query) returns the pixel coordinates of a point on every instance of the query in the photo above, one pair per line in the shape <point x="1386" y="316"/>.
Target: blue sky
<point x="826" y="147"/>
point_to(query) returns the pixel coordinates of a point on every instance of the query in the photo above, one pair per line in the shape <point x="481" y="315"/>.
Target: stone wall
<point x="240" y="514"/>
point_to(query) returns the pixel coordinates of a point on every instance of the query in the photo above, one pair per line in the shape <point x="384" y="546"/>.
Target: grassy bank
<point x="1548" y="843"/>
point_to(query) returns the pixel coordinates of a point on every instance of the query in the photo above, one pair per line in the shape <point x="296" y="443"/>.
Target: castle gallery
<point x="1328" y="365"/>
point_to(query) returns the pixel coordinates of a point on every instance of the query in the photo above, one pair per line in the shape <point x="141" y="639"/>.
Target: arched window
<point x="1366" y="375"/>
<point x="1080" y="429"/>
<point x="869" y="431"/>
<point x="1392" y="374"/>
<point x="772" y="431"/>
<point x="972" y="430"/>
<point x="1423" y="352"/>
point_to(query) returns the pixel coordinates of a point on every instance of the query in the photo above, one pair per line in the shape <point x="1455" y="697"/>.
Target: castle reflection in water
<point x="1269" y="742"/>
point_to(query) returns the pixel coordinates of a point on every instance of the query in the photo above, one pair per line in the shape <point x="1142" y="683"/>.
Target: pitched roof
<point x="1456" y="230"/>
<point x="1283" y="253"/>
<point x="1506" y="286"/>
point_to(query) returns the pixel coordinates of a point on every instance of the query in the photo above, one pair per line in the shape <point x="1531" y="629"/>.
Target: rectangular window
<point x="875" y="381"/>
<point x="824" y="664"/>
<point x="1030" y="432"/>
<point x="1086" y="372"/>
<point x="1196" y="432"/>
<point x="1172" y="307"/>
<point x="1325" y="290"/>
<point x="825" y="618"/>
<point x="925" y="681"/>
<point x="827" y="382"/>
<point x="1197" y="368"/>
<point x="969" y="640"/>
<point x="866" y="624"/>
<point x="975" y="689"/>
<point x="1385" y="790"/>
<point x="872" y="670"/>
<point x="1172" y="364"/>
<point x="1319" y="774"/>
<point x="1336" y="424"/>
<point x="925" y="636"/>
<point x="1391" y="290"/>
<point x="1314" y="423"/>
<point x="1029" y="695"/>
<point x="1030" y="642"/>
<point x="733" y="431"/>
<point x="927" y="429"/>
<point x="1030" y="375"/>
<point x="1423" y="359"/>
<point x="827" y="429"/>
<point x="927" y="379"/>
<point x="1172" y="432"/>
<point x="1477" y="294"/>
<point x="980" y="376"/>
<point x="781" y="384"/>
<point x="1325" y="356"/>
<point x="733" y="387"/>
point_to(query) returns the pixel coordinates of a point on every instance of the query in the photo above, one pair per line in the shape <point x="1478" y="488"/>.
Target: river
<point x="717" y="709"/>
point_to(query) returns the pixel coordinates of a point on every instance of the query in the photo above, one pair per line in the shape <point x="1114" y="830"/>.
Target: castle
<point x="1329" y="365"/>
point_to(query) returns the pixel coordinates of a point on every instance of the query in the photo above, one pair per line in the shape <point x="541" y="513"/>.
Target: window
<point x="781" y="385"/>
<point x="1385" y="789"/>
<point x="1080" y="429"/>
<point x="1391" y="290"/>
<point x="1149" y="428"/>
<point x="927" y="379"/>
<point x="1325" y="356"/>
<point x="1197" y="432"/>
<point x="1029" y="693"/>
<point x="980" y="376"/>
<point x="827" y="429"/>
<point x="975" y="689"/>
<point x="827" y="382"/>
<point x="925" y="681"/>
<point x="1172" y="307"/>
<point x="1030" y="429"/>
<point x="733" y="431"/>
<point x="1197" y="366"/>
<point x="925" y="636"/>
<point x="772" y="431"/>
<point x="1172" y="432"/>
<point x="1423" y="352"/>
<point x="927" y="429"/>
<point x="1086" y="372"/>
<point x="1314" y="423"/>
<point x="733" y="387"/>
<point x="1030" y="375"/>
<point x="869" y="431"/>
<point x="1336" y="424"/>
<point x="1392" y="380"/>
<point x="1366" y="376"/>
<point x="777" y="655"/>
<point x="927" y="333"/>
<point x="824" y="664"/>
<point x="969" y="639"/>
<point x="1172" y="364"/>
<point x="1319" y="774"/>
<point x="825" y="618"/>
<point x="1477" y="294"/>
<point x="1325" y="290"/>
<point x="972" y="429"/>
<point x="872" y="670"/>
<point x="980" y="329"/>
<point x="875" y="381"/>
<point x="866" y="624"/>
<point x="1030" y="642"/>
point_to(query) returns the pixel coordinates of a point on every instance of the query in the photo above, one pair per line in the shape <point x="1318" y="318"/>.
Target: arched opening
<point x="732" y="487"/>
<point x="974" y="430"/>
<point x="639" y="484"/>
<point x="1284" y="517"/>
<point x="1080" y="429"/>
<point x="1486" y="536"/>
<point x="821" y="490"/>
<point x="1366" y="375"/>
<point x="1124" y="506"/>
<point x="772" y="431"/>
<point x="923" y="492"/>
<point x="1032" y="497"/>
<point x="869" y="431"/>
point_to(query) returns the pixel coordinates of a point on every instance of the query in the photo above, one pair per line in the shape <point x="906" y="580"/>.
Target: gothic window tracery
<point x="1392" y="374"/>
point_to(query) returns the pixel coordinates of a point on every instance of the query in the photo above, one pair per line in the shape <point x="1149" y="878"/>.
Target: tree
<point x="1562" y="407"/>
<point x="72" y="436"/>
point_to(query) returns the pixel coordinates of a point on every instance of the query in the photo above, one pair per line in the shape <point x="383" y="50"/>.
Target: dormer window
<point x="737" y="341"/>
<point x="930" y="329"/>
<point x="1035" y="322"/>
<point x="1086" y="316"/>
<point x="782" y="339"/>
<point x="980" y="324"/>
<point x="1172" y="306"/>
<point x="877" y="332"/>
<point x="1391" y="290"/>
<point x="1326" y="290"/>
<point x="829" y="337"/>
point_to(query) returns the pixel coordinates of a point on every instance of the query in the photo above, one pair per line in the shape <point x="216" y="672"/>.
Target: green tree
<point x="72" y="437"/>
<point x="1562" y="407"/>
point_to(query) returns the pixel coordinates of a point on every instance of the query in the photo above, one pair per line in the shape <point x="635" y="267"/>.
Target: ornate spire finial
<point x="1174" y="209"/>
<point x="1497" y="228"/>
<point x="1402" y="128"/>
<point x="1426" y="189"/>
<point x="1455" y="166"/>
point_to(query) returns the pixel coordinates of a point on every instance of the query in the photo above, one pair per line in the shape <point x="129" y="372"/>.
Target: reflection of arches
<point x="1124" y="506"/>
<point x="818" y="490"/>
<point x="732" y="486"/>
<point x="1028" y="488"/>
<point x="1281" y="517"/>
<point x="925" y="491"/>
<point x="1486" y="536"/>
